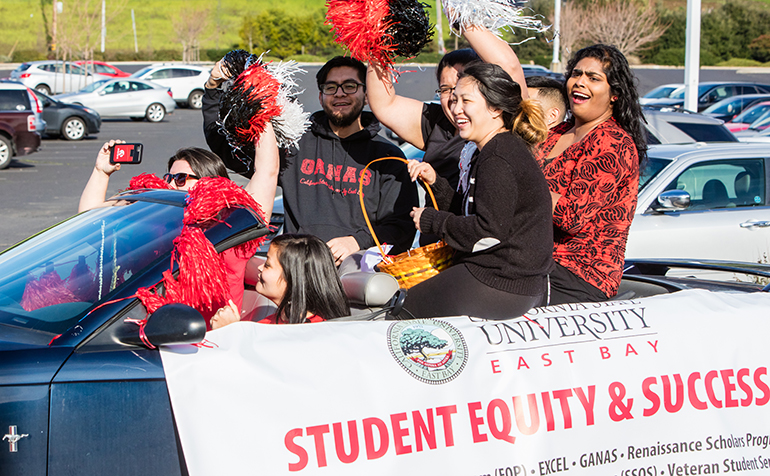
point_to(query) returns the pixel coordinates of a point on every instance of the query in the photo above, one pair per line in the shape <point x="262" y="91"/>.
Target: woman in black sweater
<point x="501" y="226"/>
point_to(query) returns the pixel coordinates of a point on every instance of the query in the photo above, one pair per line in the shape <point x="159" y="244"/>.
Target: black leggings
<point x="566" y="287"/>
<point x="456" y="292"/>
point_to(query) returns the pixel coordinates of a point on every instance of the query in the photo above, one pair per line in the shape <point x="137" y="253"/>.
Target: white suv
<point x="186" y="81"/>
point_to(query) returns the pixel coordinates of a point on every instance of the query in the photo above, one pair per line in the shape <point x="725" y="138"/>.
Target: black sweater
<point x="506" y="238"/>
<point x="320" y="181"/>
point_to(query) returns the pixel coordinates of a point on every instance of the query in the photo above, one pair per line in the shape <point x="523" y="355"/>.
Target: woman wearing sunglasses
<point x="186" y="167"/>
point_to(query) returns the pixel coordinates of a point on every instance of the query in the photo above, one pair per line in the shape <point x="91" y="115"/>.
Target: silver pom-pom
<point x="292" y="123"/>
<point x="491" y="14"/>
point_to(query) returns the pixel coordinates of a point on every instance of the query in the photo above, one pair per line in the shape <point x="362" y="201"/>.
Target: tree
<point x="415" y="340"/>
<point x="189" y="26"/>
<point x="623" y="24"/>
<point x="285" y="35"/>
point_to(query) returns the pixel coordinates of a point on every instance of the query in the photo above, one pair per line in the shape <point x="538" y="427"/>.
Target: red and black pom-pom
<point x="246" y="108"/>
<point x="380" y="30"/>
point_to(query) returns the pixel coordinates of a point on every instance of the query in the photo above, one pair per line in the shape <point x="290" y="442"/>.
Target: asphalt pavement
<point x="42" y="189"/>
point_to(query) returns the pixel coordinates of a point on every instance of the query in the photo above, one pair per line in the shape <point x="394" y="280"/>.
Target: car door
<point x="110" y="410"/>
<point x="117" y="99"/>
<point x="728" y="217"/>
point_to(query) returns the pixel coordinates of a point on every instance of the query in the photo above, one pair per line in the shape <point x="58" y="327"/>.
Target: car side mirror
<point x="170" y="324"/>
<point x="672" y="200"/>
<point x="101" y="93"/>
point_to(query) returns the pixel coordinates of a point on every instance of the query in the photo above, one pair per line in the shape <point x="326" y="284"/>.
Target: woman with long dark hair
<point x="500" y="227"/>
<point x="591" y="164"/>
<point x="300" y="277"/>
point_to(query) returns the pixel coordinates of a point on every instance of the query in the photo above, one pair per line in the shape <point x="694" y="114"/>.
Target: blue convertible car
<point x="79" y="391"/>
<point x="79" y="394"/>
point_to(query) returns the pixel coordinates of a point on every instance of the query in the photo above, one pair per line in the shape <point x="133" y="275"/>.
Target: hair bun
<point x="530" y="122"/>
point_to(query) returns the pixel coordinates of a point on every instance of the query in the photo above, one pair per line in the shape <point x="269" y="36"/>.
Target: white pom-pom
<point x="491" y="14"/>
<point x="293" y="121"/>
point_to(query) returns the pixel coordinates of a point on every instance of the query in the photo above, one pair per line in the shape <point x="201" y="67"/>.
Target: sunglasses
<point x="180" y="179"/>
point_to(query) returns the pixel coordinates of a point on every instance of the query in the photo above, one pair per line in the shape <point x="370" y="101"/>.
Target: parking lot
<point x="43" y="188"/>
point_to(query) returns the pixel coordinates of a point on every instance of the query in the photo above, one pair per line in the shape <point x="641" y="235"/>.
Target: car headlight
<point x="91" y="111"/>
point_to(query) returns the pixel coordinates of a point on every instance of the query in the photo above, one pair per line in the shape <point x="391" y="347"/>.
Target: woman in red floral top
<point x="591" y="165"/>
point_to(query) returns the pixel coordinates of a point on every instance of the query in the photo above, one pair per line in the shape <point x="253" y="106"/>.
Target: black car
<point x="68" y="121"/>
<point x="710" y="92"/>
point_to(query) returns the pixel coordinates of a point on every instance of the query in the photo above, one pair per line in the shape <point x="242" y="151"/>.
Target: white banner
<point x="669" y="385"/>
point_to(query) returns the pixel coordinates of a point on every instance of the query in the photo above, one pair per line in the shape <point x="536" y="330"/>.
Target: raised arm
<point x="492" y="49"/>
<point x="266" y="167"/>
<point x="400" y="114"/>
<point x="95" y="193"/>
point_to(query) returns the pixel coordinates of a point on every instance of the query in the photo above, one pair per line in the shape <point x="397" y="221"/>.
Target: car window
<point x="139" y="86"/>
<point x="182" y="73"/>
<point x="723" y="184"/>
<point x="102" y="69"/>
<point x="720" y="93"/>
<point x="726" y="107"/>
<point x="750" y="115"/>
<point x="705" y="132"/>
<point x="51" y="280"/>
<point x="93" y="86"/>
<point x="651" y="168"/>
<point x="49" y="68"/>
<point x="660" y="92"/>
<point x="160" y="74"/>
<point x="117" y="87"/>
<point x="14" y="100"/>
<point x="23" y="67"/>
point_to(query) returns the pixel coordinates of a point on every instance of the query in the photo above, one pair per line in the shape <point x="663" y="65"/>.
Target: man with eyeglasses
<point x="320" y="178"/>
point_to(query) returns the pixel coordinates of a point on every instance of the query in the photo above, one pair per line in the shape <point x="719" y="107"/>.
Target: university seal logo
<point x="431" y="351"/>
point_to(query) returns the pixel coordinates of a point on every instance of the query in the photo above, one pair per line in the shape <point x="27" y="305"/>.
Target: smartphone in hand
<point x="126" y="154"/>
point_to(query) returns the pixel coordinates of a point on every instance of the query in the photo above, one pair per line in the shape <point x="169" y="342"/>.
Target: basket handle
<point x="363" y="207"/>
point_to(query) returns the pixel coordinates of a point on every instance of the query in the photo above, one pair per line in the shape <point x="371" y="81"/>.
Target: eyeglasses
<point x="444" y="91"/>
<point x="180" y="179"/>
<point x="348" y="88"/>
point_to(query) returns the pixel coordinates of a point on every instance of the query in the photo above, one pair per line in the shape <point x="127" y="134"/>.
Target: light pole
<point x="692" y="56"/>
<point x="555" y="63"/>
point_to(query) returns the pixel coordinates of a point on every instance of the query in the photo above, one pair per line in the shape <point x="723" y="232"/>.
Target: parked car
<point x="748" y="118"/>
<point x="186" y="81"/>
<point x="754" y="136"/>
<point x="703" y="201"/>
<point x="20" y="121"/>
<point x="710" y="92"/>
<point x="79" y="390"/>
<point x="661" y="92"/>
<point x="727" y="109"/>
<point x="126" y="97"/>
<point x="68" y="121"/>
<point x="54" y="76"/>
<point x="537" y="70"/>
<point x="679" y="126"/>
<point x="105" y="69"/>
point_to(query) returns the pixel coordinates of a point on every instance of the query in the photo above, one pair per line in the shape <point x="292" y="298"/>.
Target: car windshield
<point x="752" y="114"/>
<point x="93" y="86"/>
<point x="762" y="122"/>
<point x="660" y="92"/>
<point x="142" y="71"/>
<point x="725" y="107"/>
<point x="652" y="168"/>
<point x="679" y="93"/>
<point x="50" y="281"/>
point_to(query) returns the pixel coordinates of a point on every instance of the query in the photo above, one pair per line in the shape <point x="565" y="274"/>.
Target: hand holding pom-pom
<point x="379" y="30"/>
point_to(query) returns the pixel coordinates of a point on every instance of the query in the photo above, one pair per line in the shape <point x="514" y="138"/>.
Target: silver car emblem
<point x="13" y="438"/>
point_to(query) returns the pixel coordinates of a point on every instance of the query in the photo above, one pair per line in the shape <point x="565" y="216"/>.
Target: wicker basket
<point x="412" y="266"/>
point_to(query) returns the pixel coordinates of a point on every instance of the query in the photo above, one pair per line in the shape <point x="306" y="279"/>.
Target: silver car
<point x="54" y="77"/>
<point x="185" y="81"/>
<point x="125" y="97"/>
<point x="703" y="201"/>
